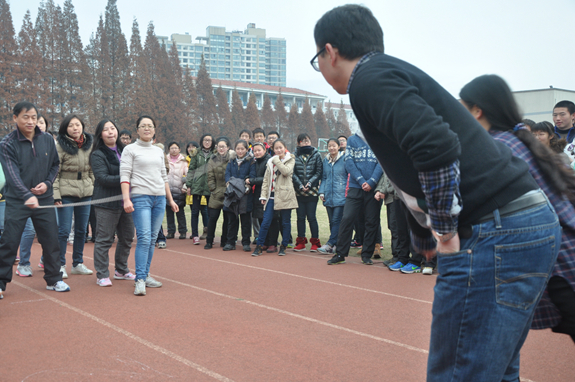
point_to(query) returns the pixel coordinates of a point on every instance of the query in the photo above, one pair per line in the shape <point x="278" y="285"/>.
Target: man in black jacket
<point x="472" y="203"/>
<point x="30" y="163"/>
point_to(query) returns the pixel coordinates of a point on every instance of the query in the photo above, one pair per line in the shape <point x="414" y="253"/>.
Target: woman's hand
<point x="128" y="206"/>
<point x="263" y="202"/>
<point x="322" y="198"/>
<point x="248" y="181"/>
<point x="174" y="206"/>
<point x="58" y="203"/>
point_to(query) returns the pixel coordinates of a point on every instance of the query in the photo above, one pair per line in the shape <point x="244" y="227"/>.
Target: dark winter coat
<point x="246" y="170"/>
<point x="106" y="169"/>
<point x="217" y="178"/>
<point x="75" y="177"/>
<point x="308" y="169"/>
<point x="197" y="177"/>
<point x="260" y="163"/>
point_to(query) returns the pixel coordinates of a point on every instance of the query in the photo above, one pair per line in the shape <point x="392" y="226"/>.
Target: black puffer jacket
<point x="258" y="211"/>
<point x="106" y="169"/>
<point x="308" y="169"/>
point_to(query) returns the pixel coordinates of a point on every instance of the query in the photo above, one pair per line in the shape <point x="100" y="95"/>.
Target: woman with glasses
<point x="143" y="175"/>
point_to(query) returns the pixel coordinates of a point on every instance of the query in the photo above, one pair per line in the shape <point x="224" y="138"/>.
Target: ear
<point x="13" y="117"/>
<point x="476" y="112"/>
<point x="333" y="53"/>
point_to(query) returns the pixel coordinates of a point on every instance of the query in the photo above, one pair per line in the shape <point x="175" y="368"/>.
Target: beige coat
<point x="284" y="193"/>
<point x="75" y="177"/>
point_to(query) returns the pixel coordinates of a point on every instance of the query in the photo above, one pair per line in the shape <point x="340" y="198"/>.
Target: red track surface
<point x="229" y="316"/>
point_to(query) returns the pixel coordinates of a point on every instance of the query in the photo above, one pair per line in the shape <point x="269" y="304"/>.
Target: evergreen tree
<point x="252" y="116"/>
<point x="238" y="118"/>
<point x="224" y="114"/>
<point x="342" y="123"/>
<point x="140" y="94"/>
<point x="172" y="81"/>
<point x="191" y="104"/>
<point x="292" y="126"/>
<point x="306" y="122"/>
<point x="321" y="127"/>
<point x="8" y="60"/>
<point x="331" y="122"/>
<point x="280" y="115"/>
<point x="207" y="111"/>
<point x="268" y="117"/>
<point x="100" y="99"/>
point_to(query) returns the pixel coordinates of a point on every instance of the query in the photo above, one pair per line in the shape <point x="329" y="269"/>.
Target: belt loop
<point x="497" y="219"/>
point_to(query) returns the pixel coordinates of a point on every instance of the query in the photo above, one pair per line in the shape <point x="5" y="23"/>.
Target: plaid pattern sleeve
<point x="442" y="196"/>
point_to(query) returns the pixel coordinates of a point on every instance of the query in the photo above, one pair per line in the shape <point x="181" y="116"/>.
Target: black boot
<point x="282" y="251"/>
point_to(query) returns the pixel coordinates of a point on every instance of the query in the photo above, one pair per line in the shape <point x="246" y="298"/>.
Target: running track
<point x="226" y="316"/>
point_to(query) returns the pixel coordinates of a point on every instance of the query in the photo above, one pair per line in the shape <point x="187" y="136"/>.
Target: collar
<point x="362" y="61"/>
<point x="330" y="160"/>
<point x="21" y="136"/>
<point x="142" y="143"/>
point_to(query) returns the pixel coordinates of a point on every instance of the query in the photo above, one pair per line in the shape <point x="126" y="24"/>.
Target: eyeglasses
<point x="147" y="127"/>
<point x="314" y="61"/>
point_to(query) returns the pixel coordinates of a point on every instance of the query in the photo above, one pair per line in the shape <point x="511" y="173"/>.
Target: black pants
<point x="213" y="216"/>
<point x="307" y="206"/>
<point x="44" y="221"/>
<point x="92" y="224"/>
<point x="359" y="228"/>
<point x="180" y="215"/>
<point x="563" y="296"/>
<point x="274" y="231"/>
<point x="403" y="231"/>
<point x="233" y="222"/>
<point x="357" y="200"/>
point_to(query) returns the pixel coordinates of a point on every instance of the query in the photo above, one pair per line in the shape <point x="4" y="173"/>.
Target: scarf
<point x="80" y="141"/>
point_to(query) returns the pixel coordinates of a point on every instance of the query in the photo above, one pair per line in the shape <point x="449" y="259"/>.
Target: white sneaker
<point x="81" y="269"/>
<point x="427" y="271"/>
<point x="161" y="244"/>
<point x="60" y="286"/>
<point x="63" y="271"/>
<point x="152" y="283"/>
<point x="140" y="288"/>
<point x="24" y="271"/>
<point x="326" y="248"/>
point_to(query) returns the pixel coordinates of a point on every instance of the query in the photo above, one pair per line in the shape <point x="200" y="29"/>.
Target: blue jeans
<point x="486" y="293"/>
<point x="265" y="226"/>
<point x="81" y="217"/>
<point x="26" y="242"/>
<point x="148" y="216"/>
<point x="334" y="215"/>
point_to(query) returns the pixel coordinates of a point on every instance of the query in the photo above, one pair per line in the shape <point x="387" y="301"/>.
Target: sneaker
<point x="81" y="269"/>
<point x="17" y="260"/>
<point x="282" y="251"/>
<point x="140" y="288"/>
<point x="367" y="261"/>
<point x="63" y="271"/>
<point x="300" y="243"/>
<point x="182" y="236"/>
<point x="388" y="262"/>
<point x="60" y="286"/>
<point x="127" y="276"/>
<point x="427" y="271"/>
<point x="104" y="282"/>
<point x="162" y="245"/>
<point x="24" y="271"/>
<point x="258" y="251"/>
<point x="396" y="266"/>
<point x="229" y="247"/>
<point x="271" y="249"/>
<point x="315" y="244"/>
<point x="152" y="283"/>
<point x="336" y="259"/>
<point x="205" y="234"/>
<point x="41" y="264"/>
<point x="170" y="236"/>
<point x="355" y="244"/>
<point x="377" y="252"/>
<point x="247" y="248"/>
<point x="290" y="245"/>
<point x="208" y="246"/>
<point x="325" y="249"/>
<point x="410" y="268"/>
<point x="196" y="240"/>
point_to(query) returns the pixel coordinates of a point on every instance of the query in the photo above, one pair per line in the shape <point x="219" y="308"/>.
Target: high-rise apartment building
<point x="247" y="56"/>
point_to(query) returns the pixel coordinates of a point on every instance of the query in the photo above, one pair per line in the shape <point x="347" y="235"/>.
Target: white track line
<point x="303" y="277"/>
<point x="130" y="335"/>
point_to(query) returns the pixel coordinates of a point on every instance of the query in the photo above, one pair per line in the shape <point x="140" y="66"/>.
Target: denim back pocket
<point x="522" y="270"/>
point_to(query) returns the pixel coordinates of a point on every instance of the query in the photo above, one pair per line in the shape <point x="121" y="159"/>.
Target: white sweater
<point x="143" y="166"/>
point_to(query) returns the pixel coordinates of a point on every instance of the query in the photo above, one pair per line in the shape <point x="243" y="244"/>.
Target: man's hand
<point x="32" y="202"/>
<point x="379" y="196"/>
<point x="40" y="189"/>
<point x="366" y="187"/>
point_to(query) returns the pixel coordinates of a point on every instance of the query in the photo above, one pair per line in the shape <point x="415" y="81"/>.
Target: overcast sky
<point x="527" y="42"/>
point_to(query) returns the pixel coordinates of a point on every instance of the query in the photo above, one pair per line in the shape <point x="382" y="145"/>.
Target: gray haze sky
<point x="527" y="42"/>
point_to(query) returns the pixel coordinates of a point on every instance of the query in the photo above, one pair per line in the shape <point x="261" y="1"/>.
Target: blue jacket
<point x="361" y="163"/>
<point x="247" y="169"/>
<point x="333" y="182"/>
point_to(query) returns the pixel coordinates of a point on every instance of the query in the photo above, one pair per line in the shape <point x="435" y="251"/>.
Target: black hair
<point x="173" y="143"/>
<point x="201" y="146"/>
<point x="528" y="122"/>
<point x="342" y="136"/>
<point x="66" y="121"/>
<point x="568" y="104"/>
<point x="140" y="120"/>
<point x="23" y="106"/>
<point x="492" y="95"/>
<point x="193" y="144"/>
<point x="249" y="133"/>
<point x="334" y="140"/>
<point x="352" y="29"/>
<point x="556" y="145"/>
<point x="241" y="142"/>
<point x="259" y="144"/>
<point x="258" y="130"/>
<point x="45" y="120"/>
<point x="223" y="139"/>
<point x="125" y="132"/>
<point x="99" y="142"/>
<point x="278" y="141"/>
<point x="302" y="136"/>
<point x="274" y="133"/>
<point x="54" y="133"/>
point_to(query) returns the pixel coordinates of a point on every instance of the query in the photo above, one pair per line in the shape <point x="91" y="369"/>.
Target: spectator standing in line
<point x="272" y="137"/>
<point x="260" y="160"/>
<point x="564" y="118"/>
<point x="332" y="191"/>
<point x="259" y="136"/>
<point x="30" y="163"/>
<point x="246" y="135"/>
<point x="126" y="137"/>
<point x="543" y="131"/>
<point x="342" y="142"/>
<point x="216" y="173"/>
<point x="277" y="194"/>
<point x="176" y="178"/>
<point x="111" y="217"/>
<point x="197" y="183"/>
<point x="74" y="184"/>
<point x="145" y="189"/>
<point x="430" y="147"/>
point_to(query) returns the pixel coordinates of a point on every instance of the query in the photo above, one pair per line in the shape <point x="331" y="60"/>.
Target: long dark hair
<point x="492" y="95"/>
<point x="202" y="142"/>
<point x="99" y="142"/>
<point x="555" y="144"/>
<point x="63" y="131"/>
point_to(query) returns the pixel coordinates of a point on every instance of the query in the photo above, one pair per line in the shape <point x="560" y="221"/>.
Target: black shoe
<point x="393" y="260"/>
<point x="282" y="251"/>
<point x="222" y="243"/>
<point x="182" y="236"/>
<point x="247" y="248"/>
<point x="336" y="259"/>
<point x="258" y="251"/>
<point x="367" y="261"/>
<point x="255" y="242"/>
<point x="208" y="246"/>
<point x="170" y="236"/>
<point x="229" y="247"/>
